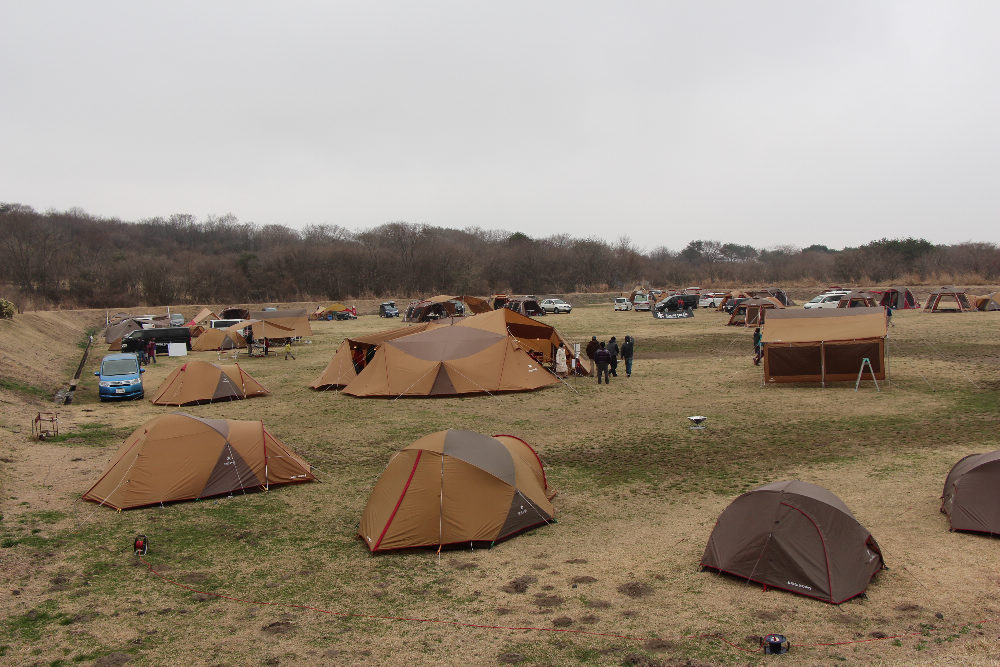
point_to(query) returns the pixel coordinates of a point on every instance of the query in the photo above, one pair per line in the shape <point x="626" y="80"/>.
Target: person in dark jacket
<point x="591" y="350"/>
<point x="613" y="351"/>
<point x="151" y="350"/>
<point x="628" y="349"/>
<point x="758" y="350"/>
<point x="603" y="360"/>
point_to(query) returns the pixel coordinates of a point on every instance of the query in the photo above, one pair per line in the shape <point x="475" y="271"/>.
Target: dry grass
<point x="638" y="496"/>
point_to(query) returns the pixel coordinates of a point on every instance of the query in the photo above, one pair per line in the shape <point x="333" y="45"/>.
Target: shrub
<point x="7" y="309"/>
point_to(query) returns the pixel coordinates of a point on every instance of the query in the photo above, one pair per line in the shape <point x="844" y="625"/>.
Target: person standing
<point x="151" y="350"/>
<point x="628" y="349"/>
<point x="614" y="352"/>
<point x="888" y="316"/>
<point x="562" y="370"/>
<point x="758" y="351"/>
<point x="288" y="349"/>
<point x="591" y="350"/>
<point x="267" y="344"/>
<point x="603" y="360"/>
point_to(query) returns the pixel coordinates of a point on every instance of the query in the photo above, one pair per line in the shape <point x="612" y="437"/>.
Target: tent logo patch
<point x="798" y="585"/>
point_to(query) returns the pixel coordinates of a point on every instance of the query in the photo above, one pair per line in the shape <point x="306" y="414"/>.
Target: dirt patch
<point x="519" y="585"/>
<point x="279" y="628"/>
<point x="635" y="589"/>
<point x="543" y="600"/>
<point x="113" y="659"/>
<point x="510" y="658"/>
<point x="583" y="579"/>
<point x="562" y="622"/>
<point x="659" y="645"/>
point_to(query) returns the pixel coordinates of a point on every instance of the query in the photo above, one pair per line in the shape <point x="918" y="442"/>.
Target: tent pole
<point x="822" y="364"/>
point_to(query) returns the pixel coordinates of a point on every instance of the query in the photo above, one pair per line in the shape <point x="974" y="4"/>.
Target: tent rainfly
<point x="218" y="339"/>
<point x="182" y="457"/>
<point x="204" y="382"/>
<point x="857" y="300"/>
<point x="444" y="305"/>
<point x="797" y="537"/>
<point x="988" y="301"/>
<point x="750" y="313"/>
<point x="971" y="496"/>
<point x="823" y="344"/>
<point x="897" y="298"/>
<point x="457" y="487"/>
<point x="948" y="300"/>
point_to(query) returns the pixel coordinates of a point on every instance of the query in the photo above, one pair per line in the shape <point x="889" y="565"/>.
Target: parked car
<point x="136" y="340"/>
<point x="345" y="315"/>
<point x="621" y="303"/>
<point x="826" y="299"/>
<point x="711" y="299"/>
<point x="556" y="306"/>
<point x="641" y="302"/>
<point x="388" y="309"/>
<point x="222" y="324"/>
<point x="120" y="377"/>
<point x="177" y="320"/>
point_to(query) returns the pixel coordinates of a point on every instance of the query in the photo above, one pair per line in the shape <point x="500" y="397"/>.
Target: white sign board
<point x="177" y="349"/>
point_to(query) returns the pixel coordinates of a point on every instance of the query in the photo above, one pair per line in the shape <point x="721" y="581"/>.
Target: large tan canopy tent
<point x="292" y="323"/>
<point x="857" y="300"/>
<point x="750" y="313"/>
<point x="182" y="457"/>
<point x="218" y="339"/>
<point x="322" y="311"/>
<point x="823" y="344"/>
<point x="530" y="333"/>
<point x="948" y="300"/>
<point x="444" y="305"/>
<point x="797" y="537"/>
<point x="448" y="361"/>
<point x="971" y="496"/>
<point x="456" y="487"/>
<point x="203" y="317"/>
<point x="341" y="369"/>
<point x="204" y="382"/>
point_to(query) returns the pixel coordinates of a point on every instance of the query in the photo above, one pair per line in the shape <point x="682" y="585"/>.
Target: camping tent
<point x="797" y="537"/>
<point x="204" y="382"/>
<point x="204" y="316"/>
<point x="823" y="344"/>
<point x="321" y="312"/>
<point x="293" y="323"/>
<point x="447" y="361"/>
<point x="971" y="496"/>
<point x="182" y="457"/>
<point x="750" y="313"/>
<point x="897" y="298"/>
<point x="775" y="293"/>
<point x="341" y="369"/>
<point x="947" y="300"/>
<point x="987" y="302"/>
<point x="115" y="332"/>
<point x="530" y="333"/>
<point x="857" y="300"/>
<point x="444" y="305"/>
<point x="218" y="339"/>
<point x="456" y="487"/>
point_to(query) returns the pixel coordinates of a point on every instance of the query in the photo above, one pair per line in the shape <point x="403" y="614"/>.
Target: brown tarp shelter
<point x="296" y="322"/>
<point x="341" y="369"/>
<point x="444" y="305"/>
<point x="205" y="382"/>
<point x="988" y="301"/>
<point x="857" y="300"/>
<point x="750" y="313"/>
<point x="971" y="496"/>
<point x="321" y="312"/>
<point x="772" y="292"/>
<point x="823" y="344"/>
<point x="203" y="317"/>
<point x="448" y="361"/>
<point x="456" y="487"/>
<point x="182" y="457"/>
<point x="115" y="332"/>
<point x="797" y="537"/>
<point x="218" y="339"/>
<point x="947" y="300"/>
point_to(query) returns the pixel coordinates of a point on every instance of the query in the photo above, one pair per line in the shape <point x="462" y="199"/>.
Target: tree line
<point x="72" y="259"/>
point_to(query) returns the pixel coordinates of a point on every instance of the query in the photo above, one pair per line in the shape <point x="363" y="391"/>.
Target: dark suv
<point x="137" y="340"/>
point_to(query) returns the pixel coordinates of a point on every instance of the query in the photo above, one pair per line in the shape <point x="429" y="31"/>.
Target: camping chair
<point x="230" y="355"/>
<point x="44" y="425"/>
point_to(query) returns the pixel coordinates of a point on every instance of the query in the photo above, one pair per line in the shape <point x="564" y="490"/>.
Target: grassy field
<point x="639" y="493"/>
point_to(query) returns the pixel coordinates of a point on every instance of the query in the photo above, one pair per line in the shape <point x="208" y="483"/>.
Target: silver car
<point x="555" y="306"/>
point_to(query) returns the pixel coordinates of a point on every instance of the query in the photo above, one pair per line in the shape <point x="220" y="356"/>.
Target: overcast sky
<point x="746" y="121"/>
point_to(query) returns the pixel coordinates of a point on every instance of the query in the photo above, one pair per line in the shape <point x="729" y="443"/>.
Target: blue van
<point x="120" y="377"/>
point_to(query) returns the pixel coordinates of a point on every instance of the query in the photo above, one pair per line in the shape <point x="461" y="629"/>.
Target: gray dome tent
<point x="971" y="496"/>
<point x="797" y="537"/>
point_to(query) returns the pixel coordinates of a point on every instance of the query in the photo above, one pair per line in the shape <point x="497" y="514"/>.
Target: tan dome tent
<point x="857" y="300"/>
<point x="529" y="333"/>
<point x="971" y="496"/>
<point x="797" y="537"/>
<point x="218" y="339"/>
<point x="897" y="298"/>
<point x="204" y="382"/>
<point x="204" y="316"/>
<point x="947" y="300"/>
<point x="456" y="487"/>
<point x="987" y="301"/>
<point x="182" y="457"/>
<point x="448" y="361"/>
<point x="341" y="368"/>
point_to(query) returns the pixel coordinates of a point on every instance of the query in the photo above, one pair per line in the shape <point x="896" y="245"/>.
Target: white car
<point x="711" y="299"/>
<point x="555" y="306"/>
<point x="621" y="303"/>
<point x="826" y="299"/>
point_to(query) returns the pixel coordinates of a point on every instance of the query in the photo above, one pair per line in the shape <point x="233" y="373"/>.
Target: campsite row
<point x="456" y="488"/>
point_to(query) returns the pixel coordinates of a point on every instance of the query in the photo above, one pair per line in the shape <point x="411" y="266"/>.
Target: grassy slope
<point x="638" y="495"/>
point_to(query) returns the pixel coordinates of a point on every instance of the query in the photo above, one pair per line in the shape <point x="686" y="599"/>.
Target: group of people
<point x="604" y="357"/>
<point x="147" y="353"/>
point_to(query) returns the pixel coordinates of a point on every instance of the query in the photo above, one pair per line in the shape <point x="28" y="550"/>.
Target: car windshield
<point x="119" y="367"/>
<point x="816" y="299"/>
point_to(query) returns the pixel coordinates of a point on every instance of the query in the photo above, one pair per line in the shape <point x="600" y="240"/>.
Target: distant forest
<point x="74" y="260"/>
